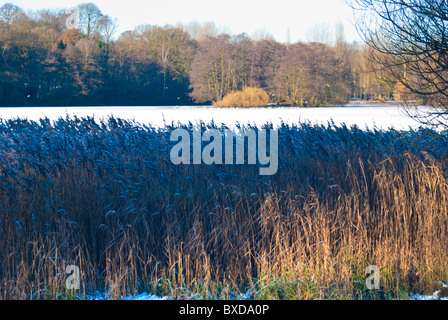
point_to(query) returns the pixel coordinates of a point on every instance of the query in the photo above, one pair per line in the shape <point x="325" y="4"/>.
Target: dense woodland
<point x="42" y="62"/>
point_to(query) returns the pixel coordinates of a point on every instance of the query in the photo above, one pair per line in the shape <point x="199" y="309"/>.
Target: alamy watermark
<point x="73" y="281"/>
<point x="192" y="150"/>
<point x="72" y="21"/>
<point x="373" y="279"/>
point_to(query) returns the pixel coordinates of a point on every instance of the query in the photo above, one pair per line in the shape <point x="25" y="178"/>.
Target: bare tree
<point x="410" y="42"/>
<point x="327" y="34"/>
<point x="9" y="12"/>
<point x="199" y="30"/>
<point x="371" y="81"/>
<point x="321" y="33"/>
<point x="203" y="30"/>
<point x="261" y="34"/>
<point x="89" y="18"/>
<point x="85" y="69"/>
<point x="54" y="19"/>
<point x="213" y="72"/>
<point x="107" y="28"/>
<point x="312" y="75"/>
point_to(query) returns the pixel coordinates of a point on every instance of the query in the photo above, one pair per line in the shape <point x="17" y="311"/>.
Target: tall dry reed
<point x="104" y="196"/>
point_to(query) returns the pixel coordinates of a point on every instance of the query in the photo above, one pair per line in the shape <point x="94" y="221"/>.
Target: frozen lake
<point x="382" y="117"/>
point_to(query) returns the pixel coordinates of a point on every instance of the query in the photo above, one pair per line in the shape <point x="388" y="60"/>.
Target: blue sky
<point x="274" y="16"/>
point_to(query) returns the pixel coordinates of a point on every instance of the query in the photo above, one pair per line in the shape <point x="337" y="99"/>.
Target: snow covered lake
<point x="382" y="117"/>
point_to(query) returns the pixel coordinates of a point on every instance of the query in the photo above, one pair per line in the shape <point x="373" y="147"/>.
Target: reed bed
<point x="104" y="196"/>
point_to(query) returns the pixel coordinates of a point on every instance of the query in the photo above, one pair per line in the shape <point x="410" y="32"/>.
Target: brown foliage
<point x="249" y="97"/>
<point x="71" y="37"/>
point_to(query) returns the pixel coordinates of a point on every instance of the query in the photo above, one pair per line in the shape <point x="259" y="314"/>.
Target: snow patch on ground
<point x="240" y="297"/>
<point x="143" y="296"/>
<point x="146" y="297"/>
<point x="434" y="296"/>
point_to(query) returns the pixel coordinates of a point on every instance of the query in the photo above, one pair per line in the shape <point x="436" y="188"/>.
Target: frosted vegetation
<point x="355" y="187"/>
<point x="104" y="196"/>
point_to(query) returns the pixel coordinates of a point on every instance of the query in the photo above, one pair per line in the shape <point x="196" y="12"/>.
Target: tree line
<point x="44" y="61"/>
